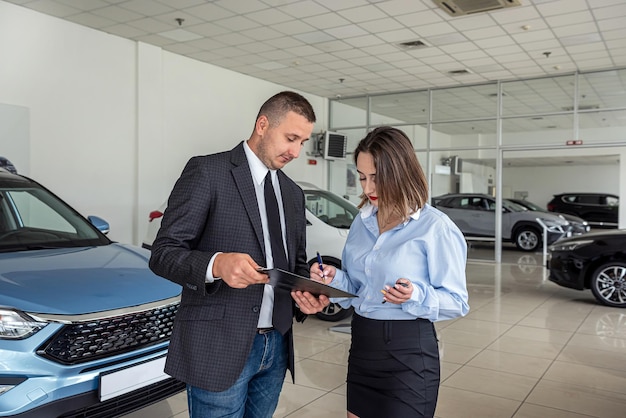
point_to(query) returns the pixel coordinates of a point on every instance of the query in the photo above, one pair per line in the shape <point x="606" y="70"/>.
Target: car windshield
<point x="330" y="208"/>
<point x="32" y="218"/>
<point x="513" y="207"/>
<point x="531" y="206"/>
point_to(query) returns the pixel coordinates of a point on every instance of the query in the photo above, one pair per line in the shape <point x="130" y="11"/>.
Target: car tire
<point x="608" y="284"/>
<point x="527" y="238"/>
<point x="333" y="312"/>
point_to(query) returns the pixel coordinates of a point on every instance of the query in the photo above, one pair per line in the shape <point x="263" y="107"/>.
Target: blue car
<point x="84" y="323"/>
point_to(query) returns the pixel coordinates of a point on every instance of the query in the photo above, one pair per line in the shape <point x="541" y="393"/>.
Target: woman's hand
<point x="399" y="293"/>
<point x="323" y="276"/>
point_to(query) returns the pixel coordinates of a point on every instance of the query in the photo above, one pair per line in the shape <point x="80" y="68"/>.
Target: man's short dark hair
<point x="277" y="106"/>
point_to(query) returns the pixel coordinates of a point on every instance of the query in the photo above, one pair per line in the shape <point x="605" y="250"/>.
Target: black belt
<point x="264" y="330"/>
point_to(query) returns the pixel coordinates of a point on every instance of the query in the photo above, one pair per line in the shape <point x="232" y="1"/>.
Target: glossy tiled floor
<point x="527" y="349"/>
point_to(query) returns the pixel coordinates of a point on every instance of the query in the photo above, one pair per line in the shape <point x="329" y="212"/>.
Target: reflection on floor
<point x="527" y="349"/>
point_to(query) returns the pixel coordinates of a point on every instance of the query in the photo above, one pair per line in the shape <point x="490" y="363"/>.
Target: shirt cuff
<point x="208" y="278"/>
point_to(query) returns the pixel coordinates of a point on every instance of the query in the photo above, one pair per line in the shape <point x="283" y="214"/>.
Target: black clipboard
<point x="290" y="281"/>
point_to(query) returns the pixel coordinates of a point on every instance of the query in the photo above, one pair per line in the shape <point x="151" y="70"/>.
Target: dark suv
<point x="598" y="209"/>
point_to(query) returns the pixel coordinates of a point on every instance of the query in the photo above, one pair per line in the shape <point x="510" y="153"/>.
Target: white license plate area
<point x="126" y="380"/>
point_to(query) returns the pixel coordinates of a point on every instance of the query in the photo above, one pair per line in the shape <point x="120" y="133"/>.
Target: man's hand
<point x="238" y="270"/>
<point x="308" y="303"/>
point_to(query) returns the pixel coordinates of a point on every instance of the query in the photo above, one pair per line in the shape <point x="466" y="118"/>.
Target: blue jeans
<point x="255" y="393"/>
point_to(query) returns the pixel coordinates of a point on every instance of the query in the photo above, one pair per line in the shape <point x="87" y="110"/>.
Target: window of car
<point x="588" y="199"/>
<point x="330" y="209"/>
<point x="32" y="217"/>
<point x="457" y="202"/>
<point x="33" y="213"/>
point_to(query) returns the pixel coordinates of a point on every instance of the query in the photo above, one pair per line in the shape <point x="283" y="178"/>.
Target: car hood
<point x="544" y="215"/>
<point x="571" y="218"/>
<point x="73" y="281"/>
<point x="597" y="236"/>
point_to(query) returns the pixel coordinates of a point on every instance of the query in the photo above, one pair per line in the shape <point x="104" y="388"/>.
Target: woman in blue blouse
<point x="405" y="261"/>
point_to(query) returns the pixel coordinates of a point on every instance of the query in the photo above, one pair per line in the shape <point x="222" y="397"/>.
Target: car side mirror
<point x="99" y="223"/>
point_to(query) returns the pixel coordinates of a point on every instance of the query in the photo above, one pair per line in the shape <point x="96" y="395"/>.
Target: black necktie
<point x="283" y="313"/>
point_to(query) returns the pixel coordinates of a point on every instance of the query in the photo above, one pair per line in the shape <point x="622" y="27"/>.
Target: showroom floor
<point x="528" y="348"/>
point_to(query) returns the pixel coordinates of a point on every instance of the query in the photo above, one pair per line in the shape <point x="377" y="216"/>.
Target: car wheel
<point x="527" y="238"/>
<point x="333" y="312"/>
<point x="608" y="284"/>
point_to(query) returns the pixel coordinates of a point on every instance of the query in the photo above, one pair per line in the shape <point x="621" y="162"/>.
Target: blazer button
<point x="256" y="309"/>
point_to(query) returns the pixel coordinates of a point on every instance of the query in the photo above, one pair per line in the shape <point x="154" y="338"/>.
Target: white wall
<point x="544" y="182"/>
<point x="15" y="135"/>
<point x="112" y="121"/>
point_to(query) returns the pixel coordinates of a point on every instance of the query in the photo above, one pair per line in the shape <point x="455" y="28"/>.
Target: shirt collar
<point x="257" y="168"/>
<point x="369" y="210"/>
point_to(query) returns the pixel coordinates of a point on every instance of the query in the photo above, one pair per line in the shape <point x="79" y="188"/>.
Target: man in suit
<point x="232" y="341"/>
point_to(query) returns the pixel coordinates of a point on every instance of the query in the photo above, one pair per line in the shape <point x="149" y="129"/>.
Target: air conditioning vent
<point x="459" y="72"/>
<point x="466" y="7"/>
<point x="413" y="44"/>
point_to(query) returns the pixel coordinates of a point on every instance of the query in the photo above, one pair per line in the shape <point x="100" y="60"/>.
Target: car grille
<point x="87" y="341"/>
<point x="128" y="402"/>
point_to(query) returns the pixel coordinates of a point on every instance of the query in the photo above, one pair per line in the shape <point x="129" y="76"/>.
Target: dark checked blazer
<point x="213" y="208"/>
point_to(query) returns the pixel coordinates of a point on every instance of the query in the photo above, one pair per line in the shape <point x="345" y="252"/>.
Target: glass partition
<point x="460" y="142"/>
<point x="602" y="90"/>
<point x="460" y="103"/>
<point x="348" y="112"/>
<point x="602" y="127"/>
<point x="478" y="133"/>
<point x="541" y="95"/>
<point x="530" y="131"/>
<point x="398" y="109"/>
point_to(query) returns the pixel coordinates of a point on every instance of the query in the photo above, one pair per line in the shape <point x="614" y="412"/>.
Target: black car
<point x="599" y="209"/>
<point x="595" y="261"/>
<point x="579" y="225"/>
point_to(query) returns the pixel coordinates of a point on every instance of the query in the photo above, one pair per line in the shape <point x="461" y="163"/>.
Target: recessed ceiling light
<point x="271" y="65"/>
<point x="180" y="35"/>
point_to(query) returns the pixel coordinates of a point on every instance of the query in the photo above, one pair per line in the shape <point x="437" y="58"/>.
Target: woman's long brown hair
<point x="401" y="184"/>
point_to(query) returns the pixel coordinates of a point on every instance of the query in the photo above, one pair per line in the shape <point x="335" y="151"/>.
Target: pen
<point x="319" y="261"/>
<point x="384" y="292"/>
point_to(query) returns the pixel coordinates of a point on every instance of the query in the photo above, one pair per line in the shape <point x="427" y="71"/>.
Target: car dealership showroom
<point x="516" y="110"/>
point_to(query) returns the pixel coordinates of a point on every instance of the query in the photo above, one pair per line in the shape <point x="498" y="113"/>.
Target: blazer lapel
<point x="243" y="180"/>
<point x="289" y="207"/>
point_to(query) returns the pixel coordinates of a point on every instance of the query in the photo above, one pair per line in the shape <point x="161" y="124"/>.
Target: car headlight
<point x="16" y="325"/>
<point x="5" y="388"/>
<point x="8" y="383"/>
<point x="570" y="245"/>
<point x="554" y="225"/>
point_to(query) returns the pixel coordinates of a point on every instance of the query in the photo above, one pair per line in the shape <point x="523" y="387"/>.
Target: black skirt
<point x="393" y="368"/>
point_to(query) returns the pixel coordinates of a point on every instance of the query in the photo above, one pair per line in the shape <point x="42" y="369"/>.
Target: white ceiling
<point x="351" y="47"/>
<point x="343" y="48"/>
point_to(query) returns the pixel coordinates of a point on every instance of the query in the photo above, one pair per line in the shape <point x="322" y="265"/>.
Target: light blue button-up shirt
<point x="428" y="249"/>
